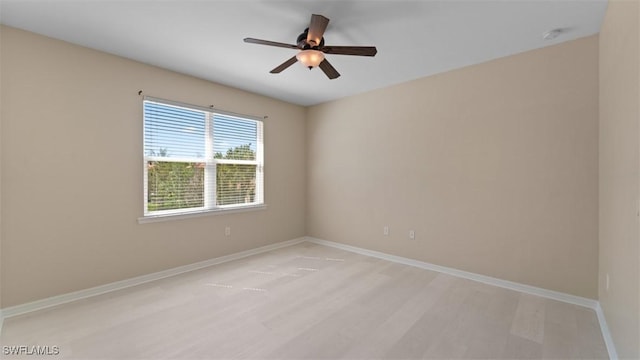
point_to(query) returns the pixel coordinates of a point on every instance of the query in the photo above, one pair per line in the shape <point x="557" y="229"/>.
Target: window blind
<point x="198" y="160"/>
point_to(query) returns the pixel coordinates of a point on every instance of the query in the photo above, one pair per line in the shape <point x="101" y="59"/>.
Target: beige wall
<point x="495" y="167"/>
<point x="619" y="174"/>
<point x="72" y="171"/>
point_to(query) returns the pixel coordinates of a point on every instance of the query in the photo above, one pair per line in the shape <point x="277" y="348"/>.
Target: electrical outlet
<point x="227" y="231"/>
<point x="386" y="231"/>
<point x="412" y="234"/>
<point x="606" y="282"/>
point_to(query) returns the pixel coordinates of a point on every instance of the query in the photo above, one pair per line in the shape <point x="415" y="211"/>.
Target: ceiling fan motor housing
<point x="302" y="41"/>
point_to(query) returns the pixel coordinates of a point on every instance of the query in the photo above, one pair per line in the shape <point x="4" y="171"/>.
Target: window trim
<point x="199" y="213"/>
<point x="210" y="161"/>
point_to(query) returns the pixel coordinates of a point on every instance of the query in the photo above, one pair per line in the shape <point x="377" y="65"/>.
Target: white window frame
<point x="210" y="207"/>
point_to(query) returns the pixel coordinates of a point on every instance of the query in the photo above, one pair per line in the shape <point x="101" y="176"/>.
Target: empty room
<point x="351" y="179"/>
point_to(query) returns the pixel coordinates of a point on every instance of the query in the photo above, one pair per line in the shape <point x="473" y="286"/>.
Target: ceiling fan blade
<point x="317" y="26"/>
<point x="284" y="65"/>
<point x="329" y="70"/>
<point x="269" y="43"/>
<point x="350" y="50"/>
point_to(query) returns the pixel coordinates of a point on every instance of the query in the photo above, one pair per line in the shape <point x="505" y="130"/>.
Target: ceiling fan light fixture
<point x="310" y="58"/>
<point x="311" y="49"/>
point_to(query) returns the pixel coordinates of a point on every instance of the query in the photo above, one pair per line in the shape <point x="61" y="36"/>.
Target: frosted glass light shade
<point x="310" y="58"/>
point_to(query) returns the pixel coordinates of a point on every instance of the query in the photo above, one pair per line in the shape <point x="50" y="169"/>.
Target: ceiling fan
<point x="312" y="48"/>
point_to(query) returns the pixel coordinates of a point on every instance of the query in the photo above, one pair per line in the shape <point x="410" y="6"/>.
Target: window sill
<point x="200" y="213"/>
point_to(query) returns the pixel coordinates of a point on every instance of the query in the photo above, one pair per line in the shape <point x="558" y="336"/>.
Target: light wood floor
<point x="310" y="301"/>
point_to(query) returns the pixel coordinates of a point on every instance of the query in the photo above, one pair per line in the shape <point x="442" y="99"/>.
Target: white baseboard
<point x="549" y="294"/>
<point x="118" y="285"/>
<point x="606" y="334"/>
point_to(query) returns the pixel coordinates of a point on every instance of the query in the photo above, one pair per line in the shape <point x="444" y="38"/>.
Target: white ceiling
<point x="204" y="38"/>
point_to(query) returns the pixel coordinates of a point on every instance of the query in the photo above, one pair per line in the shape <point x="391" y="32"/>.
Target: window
<point x="197" y="159"/>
